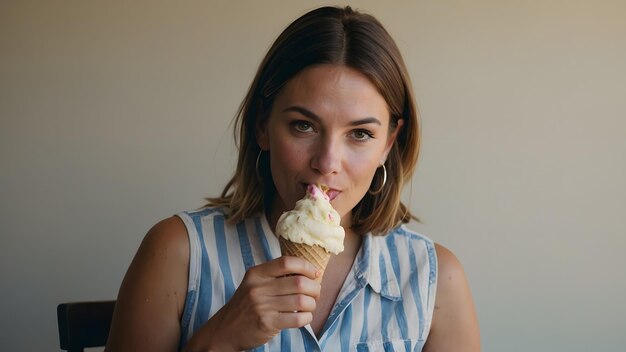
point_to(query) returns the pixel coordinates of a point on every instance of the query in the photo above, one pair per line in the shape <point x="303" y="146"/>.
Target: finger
<point x="295" y="284"/>
<point x="287" y="265"/>
<point x="285" y="320"/>
<point x="293" y="303"/>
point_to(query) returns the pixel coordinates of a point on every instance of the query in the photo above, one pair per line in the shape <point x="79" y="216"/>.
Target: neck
<point x="273" y="215"/>
<point x="351" y="243"/>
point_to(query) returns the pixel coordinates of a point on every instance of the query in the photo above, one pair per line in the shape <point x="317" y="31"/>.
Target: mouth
<point x="331" y="193"/>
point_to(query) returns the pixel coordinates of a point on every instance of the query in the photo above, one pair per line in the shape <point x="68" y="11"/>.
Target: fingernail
<point x="318" y="273"/>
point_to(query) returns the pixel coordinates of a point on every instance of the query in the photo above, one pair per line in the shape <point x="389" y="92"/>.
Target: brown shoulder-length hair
<point x="336" y="36"/>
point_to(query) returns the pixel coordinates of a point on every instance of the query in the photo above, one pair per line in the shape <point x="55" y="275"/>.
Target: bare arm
<point x="455" y="325"/>
<point x="152" y="296"/>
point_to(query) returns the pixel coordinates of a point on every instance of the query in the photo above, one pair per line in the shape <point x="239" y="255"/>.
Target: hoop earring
<point x="380" y="189"/>
<point x="256" y="168"/>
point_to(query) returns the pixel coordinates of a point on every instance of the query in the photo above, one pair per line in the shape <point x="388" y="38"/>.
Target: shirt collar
<point x="374" y="267"/>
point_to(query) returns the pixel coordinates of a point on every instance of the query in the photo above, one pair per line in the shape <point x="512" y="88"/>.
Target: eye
<point x="302" y="126"/>
<point x="362" y="135"/>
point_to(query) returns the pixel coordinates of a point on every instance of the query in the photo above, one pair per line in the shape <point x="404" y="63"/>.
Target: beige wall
<point x="114" y="114"/>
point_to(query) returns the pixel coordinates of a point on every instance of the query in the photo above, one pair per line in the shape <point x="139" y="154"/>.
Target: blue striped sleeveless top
<point x="385" y="304"/>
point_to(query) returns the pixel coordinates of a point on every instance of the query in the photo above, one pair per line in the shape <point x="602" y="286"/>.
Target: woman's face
<point x="328" y="125"/>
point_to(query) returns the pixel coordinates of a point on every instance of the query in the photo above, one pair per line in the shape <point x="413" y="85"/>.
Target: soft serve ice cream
<point x="313" y="222"/>
<point x="311" y="230"/>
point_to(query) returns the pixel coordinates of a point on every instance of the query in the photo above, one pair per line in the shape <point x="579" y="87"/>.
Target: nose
<point x="326" y="159"/>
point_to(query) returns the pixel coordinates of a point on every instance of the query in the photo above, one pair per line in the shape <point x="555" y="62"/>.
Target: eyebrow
<point x="313" y="116"/>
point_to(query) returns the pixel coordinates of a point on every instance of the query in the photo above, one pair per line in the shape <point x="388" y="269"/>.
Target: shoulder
<point x="405" y="241"/>
<point x="413" y="243"/>
<point x="172" y="234"/>
<point x="411" y="252"/>
<point x="403" y="233"/>
<point x="168" y="235"/>
<point x="447" y="263"/>
<point x="203" y="219"/>
<point x="451" y="282"/>
<point x="449" y="266"/>
<point x="454" y="325"/>
<point x="162" y="255"/>
<point x="206" y="211"/>
<point x="153" y="291"/>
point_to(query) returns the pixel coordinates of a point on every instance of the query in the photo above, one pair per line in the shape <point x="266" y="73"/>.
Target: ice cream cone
<point x="316" y="255"/>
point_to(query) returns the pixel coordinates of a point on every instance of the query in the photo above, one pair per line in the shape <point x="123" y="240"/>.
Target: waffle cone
<point x="316" y="255"/>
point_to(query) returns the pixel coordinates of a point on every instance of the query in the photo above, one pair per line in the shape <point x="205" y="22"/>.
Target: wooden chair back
<point x="84" y="324"/>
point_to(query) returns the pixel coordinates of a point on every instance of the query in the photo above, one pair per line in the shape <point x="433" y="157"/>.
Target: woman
<point x="331" y="104"/>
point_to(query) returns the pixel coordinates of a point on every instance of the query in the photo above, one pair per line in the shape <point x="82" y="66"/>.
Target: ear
<point x="262" y="134"/>
<point x="391" y="139"/>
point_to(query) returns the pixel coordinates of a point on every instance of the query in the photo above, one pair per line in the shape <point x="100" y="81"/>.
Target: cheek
<point x="288" y="154"/>
<point x="288" y="160"/>
<point x="363" y="165"/>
